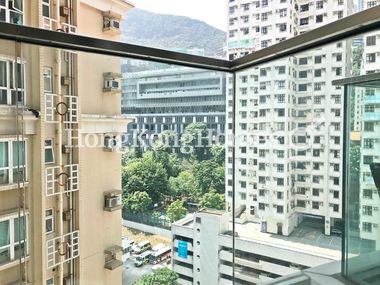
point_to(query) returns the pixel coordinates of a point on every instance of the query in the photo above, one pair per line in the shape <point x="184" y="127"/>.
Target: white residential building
<point x="202" y="251"/>
<point x="288" y="117"/>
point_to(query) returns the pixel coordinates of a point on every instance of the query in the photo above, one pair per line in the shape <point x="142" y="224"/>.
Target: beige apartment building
<point x="60" y="170"/>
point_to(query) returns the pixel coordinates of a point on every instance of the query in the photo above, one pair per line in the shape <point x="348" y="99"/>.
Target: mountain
<point x="172" y="32"/>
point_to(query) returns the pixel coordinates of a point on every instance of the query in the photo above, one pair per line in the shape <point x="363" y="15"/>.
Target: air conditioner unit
<point x="65" y="80"/>
<point x="115" y="24"/>
<point x="67" y="215"/>
<point x="111" y="84"/>
<point x="113" y="202"/>
<point x="64" y="11"/>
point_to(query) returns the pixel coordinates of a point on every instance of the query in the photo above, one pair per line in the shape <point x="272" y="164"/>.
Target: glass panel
<point x="4" y="154"/>
<point x="3" y="73"/>
<point x="18" y="153"/>
<point x="5" y="255"/>
<point x="19" y="229"/>
<point x="362" y="252"/>
<point x="4" y="233"/>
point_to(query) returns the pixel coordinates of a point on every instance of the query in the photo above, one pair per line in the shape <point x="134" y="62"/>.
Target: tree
<point x="183" y="185"/>
<point x="137" y="202"/>
<point x="129" y="155"/>
<point x="145" y="175"/>
<point x="357" y="59"/>
<point x="176" y="211"/>
<point x="197" y="141"/>
<point x="162" y="276"/>
<point x="218" y="154"/>
<point x="213" y="200"/>
<point x="208" y="174"/>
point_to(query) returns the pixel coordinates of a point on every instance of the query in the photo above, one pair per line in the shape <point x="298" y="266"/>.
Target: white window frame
<point x="48" y="74"/>
<point x="52" y="218"/>
<point x="49" y="280"/>
<point x="12" y="9"/>
<point x="12" y="75"/>
<point x="11" y="164"/>
<point x="50" y="147"/>
<point x="12" y="244"/>
<point x="46" y="3"/>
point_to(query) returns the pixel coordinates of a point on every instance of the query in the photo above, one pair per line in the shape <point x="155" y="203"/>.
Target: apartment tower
<point x="60" y="207"/>
<point x="288" y="117"/>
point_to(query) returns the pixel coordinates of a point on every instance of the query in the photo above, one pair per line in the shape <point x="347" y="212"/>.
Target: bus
<point x="142" y="258"/>
<point x="141" y="247"/>
<point x="160" y="255"/>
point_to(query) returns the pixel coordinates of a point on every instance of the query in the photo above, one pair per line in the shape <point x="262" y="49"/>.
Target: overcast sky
<point x="213" y="12"/>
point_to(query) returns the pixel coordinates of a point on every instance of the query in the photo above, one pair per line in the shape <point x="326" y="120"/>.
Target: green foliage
<point x="357" y="58"/>
<point x="168" y="32"/>
<point x="195" y="138"/>
<point x="145" y="175"/>
<point x="163" y="276"/>
<point x="176" y="211"/>
<point x="213" y="200"/>
<point x="218" y="154"/>
<point x="137" y="202"/>
<point x="129" y="155"/>
<point x="208" y="174"/>
<point x="183" y="185"/>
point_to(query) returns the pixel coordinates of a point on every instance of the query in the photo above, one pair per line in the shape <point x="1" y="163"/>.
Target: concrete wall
<point x="147" y="229"/>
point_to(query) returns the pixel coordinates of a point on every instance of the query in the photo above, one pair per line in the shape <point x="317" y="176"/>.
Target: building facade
<point x="54" y="128"/>
<point x="288" y="118"/>
<point x="163" y="98"/>
<point x="202" y="252"/>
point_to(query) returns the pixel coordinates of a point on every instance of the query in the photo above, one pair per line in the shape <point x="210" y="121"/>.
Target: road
<point x="131" y="273"/>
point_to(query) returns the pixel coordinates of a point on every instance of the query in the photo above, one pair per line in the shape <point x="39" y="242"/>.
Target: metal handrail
<point x="365" y="21"/>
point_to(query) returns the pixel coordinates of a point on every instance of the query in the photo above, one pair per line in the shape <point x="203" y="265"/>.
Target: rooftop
<point x="306" y="237"/>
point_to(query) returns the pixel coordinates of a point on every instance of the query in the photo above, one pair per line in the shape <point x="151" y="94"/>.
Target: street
<point x="131" y="273"/>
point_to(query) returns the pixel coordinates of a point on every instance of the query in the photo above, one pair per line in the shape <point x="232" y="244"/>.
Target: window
<point x="304" y="21"/>
<point x="264" y="16"/>
<point x="302" y="74"/>
<point x="46" y="8"/>
<point x="338" y="71"/>
<point x="367" y="193"/>
<point x="283" y="13"/>
<point x="50" y="281"/>
<point x="303" y="61"/>
<point x="302" y="87"/>
<point x="315" y="205"/>
<point x="282" y="27"/>
<point x="367" y="227"/>
<point x="261" y="206"/>
<point x="48" y="79"/>
<point x="315" y="192"/>
<point x="317" y="86"/>
<point x="49" y="219"/>
<point x="280" y="209"/>
<point x="319" y="18"/>
<point x="369" y="126"/>
<point x="280" y="181"/>
<point x="339" y="57"/>
<point x="371" y="57"/>
<point x="10" y="153"/>
<point x="281" y="98"/>
<point x="367" y="210"/>
<point x="11" y="82"/>
<point x="371" y="41"/>
<point x="49" y="151"/>
<point x="12" y="241"/>
<point x="281" y="70"/>
<point x="319" y="4"/>
<point x="336" y="208"/>
<point x="336" y="180"/>
<point x="367" y="159"/>
<point x="243" y="196"/>
<point x="304" y="7"/>
<point x="318" y="59"/>
<point x="318" y="72"/>
<point x="280" y="168"/>
<point x="368" y="143"/>
<point x="12" y="11"/>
